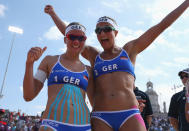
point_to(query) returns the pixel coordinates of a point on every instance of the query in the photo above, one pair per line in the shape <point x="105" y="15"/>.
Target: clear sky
<point x="160" y="63"/>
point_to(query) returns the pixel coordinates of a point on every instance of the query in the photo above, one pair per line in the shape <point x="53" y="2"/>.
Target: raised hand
<point x="34" y="54"/>
<point x="49" y="9"/>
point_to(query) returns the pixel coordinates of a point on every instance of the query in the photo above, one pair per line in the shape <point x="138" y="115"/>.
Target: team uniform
<point x="120" y="63"/>
<point x="73" y="83"/>
<point x="177" y="110"/>
<point x="114" y="119"/>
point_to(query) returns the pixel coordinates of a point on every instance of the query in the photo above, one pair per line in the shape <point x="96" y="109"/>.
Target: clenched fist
<point x="49" y="9"/>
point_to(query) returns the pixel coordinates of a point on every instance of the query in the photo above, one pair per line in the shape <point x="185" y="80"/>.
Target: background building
<point x="153" y="96"/>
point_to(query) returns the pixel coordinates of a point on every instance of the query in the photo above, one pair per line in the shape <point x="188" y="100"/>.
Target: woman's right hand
<point x="34" y="54"/>
<point x="49" y="9"/>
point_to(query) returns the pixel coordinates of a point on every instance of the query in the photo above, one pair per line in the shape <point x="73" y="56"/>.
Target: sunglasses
<point x="184" y="76"/>
<point x="76" y="37"/>
<point x="105" y="29"/>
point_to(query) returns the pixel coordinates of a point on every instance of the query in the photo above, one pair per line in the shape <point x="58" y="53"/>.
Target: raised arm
<point x="89" y="52"/>
<point x="31" y="86"/>
<point x="59" y="23"/>
<point x="138" y="45"/>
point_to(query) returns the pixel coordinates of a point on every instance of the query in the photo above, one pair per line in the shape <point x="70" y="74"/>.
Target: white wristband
<point x="40" y="75"/>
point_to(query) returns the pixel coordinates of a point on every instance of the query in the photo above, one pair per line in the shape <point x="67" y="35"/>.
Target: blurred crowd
<point x="15" y="121"/>
<point x="160" y="124"/>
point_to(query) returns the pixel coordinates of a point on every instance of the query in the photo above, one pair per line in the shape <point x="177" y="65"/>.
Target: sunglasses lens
<point x="105" y="29"/>
<point x="75" y="37"/>
<point x="98" y="30"/>
<point x="81" y="38"/>
<point x="183" y="76"/>
<point x="72" y="37"/>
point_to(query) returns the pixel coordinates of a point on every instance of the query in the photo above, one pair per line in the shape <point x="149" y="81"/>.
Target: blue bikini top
<point x="61" y="75"/>
<point x="120" y="63"/>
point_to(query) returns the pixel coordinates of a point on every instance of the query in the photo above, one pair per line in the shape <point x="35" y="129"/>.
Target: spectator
<point x="177" y="106"/>
<point x="146" y="112"/>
